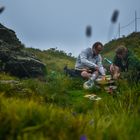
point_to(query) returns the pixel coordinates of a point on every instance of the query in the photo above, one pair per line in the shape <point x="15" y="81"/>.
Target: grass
<point x="56" y="109"/>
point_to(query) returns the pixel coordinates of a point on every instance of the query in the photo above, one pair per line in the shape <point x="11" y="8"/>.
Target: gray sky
<point x="47" y="24"/>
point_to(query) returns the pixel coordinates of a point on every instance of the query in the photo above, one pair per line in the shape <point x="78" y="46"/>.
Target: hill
<point x="54" y="59"/>
<point x="49" y="57"/>
<point x="20" y="61"/>
<point x="132" y="42"/>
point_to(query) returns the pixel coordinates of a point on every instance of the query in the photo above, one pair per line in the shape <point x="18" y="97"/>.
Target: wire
<point x="127" y="24"/>
<point x="131" y="22"/>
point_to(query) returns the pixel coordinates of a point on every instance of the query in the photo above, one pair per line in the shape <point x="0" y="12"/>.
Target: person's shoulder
<point x="87" y="50"/>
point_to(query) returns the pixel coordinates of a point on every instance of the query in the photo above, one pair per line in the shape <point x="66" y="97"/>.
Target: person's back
<point x="121" y="62"/>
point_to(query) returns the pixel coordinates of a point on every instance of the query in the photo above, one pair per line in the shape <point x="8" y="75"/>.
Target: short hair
<point x="120" y="50"/>
<point x="97" y="44"/>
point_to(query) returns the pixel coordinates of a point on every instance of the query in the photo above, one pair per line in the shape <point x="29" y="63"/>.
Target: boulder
<point x="14" y="58"/>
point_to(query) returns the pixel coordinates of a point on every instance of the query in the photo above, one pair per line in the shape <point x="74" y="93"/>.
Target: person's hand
<point x="103" y="78"/>
<point x="96" y="68"/>
<point x="112" y="68"/>
<point x="89" y="70"/>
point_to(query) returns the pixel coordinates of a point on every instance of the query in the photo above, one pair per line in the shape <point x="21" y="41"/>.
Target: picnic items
<point x="108" y="84"/>
<point x="105" y="81"/>
<point x="92" y="97"/>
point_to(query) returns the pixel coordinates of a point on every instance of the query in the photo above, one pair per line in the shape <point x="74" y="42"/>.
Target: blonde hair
<point x="120" y="50"/>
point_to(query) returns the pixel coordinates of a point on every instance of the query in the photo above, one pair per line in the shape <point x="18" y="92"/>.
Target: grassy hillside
<point x="132" y="42"/>
<point x="55" y="60"/>
<point x="56" y="109"/>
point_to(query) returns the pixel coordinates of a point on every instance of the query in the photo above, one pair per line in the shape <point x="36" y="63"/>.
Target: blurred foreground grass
<point x="56" y="110"/>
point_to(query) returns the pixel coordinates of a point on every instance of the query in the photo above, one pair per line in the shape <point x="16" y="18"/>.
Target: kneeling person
<point x="89" y="64"/>
<point x="124" y="60"/>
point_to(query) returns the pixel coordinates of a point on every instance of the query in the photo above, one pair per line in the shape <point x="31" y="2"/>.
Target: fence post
<point x="119" y="30"/>
<point x="135" y="21"/>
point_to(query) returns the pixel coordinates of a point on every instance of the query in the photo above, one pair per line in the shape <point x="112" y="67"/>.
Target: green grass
<point x="56" y="109"/>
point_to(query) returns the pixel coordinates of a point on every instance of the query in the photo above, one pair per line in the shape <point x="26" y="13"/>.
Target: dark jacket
<point x="129" y="62"/>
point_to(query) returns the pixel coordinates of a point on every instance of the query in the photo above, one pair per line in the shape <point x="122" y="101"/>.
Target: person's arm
<point x="118" y="62"/>
<point x="101" y="68"/>
<point x="84" y="59"/>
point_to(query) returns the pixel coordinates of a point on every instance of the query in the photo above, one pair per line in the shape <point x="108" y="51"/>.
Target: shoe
<point x="88" y="84"/>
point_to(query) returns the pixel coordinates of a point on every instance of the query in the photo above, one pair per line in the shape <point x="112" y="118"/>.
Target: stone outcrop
<point x="14" y="58"/>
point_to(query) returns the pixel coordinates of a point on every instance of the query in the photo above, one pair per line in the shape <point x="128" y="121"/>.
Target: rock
<point x="14" y="59"/>
<point x="9" y="36"/>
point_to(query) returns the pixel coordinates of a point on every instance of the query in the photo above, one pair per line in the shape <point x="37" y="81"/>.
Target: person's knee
<point x="114" y="69"/>
<point x="117" y="69"/>
<point x="85" y="74"/>
<point x="116" y="74"/>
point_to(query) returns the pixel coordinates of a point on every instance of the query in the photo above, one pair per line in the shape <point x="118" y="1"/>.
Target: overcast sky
<point x="47" y="24"/>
